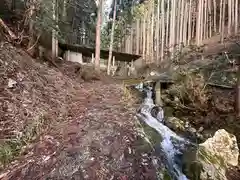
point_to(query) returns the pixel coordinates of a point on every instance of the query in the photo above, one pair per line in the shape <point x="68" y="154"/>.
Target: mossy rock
<point x="168" y="111"/>
<point x="166" y="176"/>
<point x="163" y="174"/>
<point x="154" y="137"/>
<point x="195" y="161"/>
<point x="175" y="124"/>
<point x="199" y="164"/>
<point x="213" y="165"/>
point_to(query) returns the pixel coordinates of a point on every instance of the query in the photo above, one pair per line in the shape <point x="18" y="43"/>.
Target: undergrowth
<point x="11" y="148"/>
<point x="190" y="88"/>
<point x="131" y="96"/>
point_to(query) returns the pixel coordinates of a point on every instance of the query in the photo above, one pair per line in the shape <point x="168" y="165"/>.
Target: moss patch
<point x="210" y="158"/>
<point x="154" y="137"/>
<point x="166" y="175"/>
<point x="11" y="148"/>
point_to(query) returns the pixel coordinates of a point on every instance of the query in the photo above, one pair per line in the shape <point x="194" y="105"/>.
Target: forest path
<point x="65" y="128"/>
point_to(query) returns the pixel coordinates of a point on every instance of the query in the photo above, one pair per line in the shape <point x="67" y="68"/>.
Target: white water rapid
<point x="171" y="143"/>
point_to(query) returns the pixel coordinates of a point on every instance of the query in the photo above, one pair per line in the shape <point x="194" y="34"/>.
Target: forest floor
<point x="55" y="125"/>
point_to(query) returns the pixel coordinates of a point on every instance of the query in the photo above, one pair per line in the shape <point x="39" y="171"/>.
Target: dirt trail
<point x="66" y="128"/>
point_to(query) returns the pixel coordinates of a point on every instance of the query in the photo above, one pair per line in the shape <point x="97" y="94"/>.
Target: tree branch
<point x="8" y="30"/>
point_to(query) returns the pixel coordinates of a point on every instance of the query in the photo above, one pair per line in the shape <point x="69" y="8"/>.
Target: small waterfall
<point x="172" y="144"/>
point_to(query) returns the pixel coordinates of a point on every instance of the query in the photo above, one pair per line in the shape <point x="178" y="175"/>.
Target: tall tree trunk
<point x="158" y="29"/>
<point x="236" y="17"/>
<point x="229" y="17"/>
<point x="126" y="40"/>
<point x="172" y="28"/>
<point x="233" y="14"/>
<point x="220" y="16"/>
<point x="194" y="19"/>
<point x="174" y="22"/>
<point x="30" y="49"/>
<point x="214" y="16"/>
<point x="190" y="22"/>
<point x="131" y="41"/>
<point x="223" y="21"/>
<point x="185" y="24"/>
<point x="98" y="36"/>
<point x="152" y="33"/>
<point x="178" y="41"/>
<point x="163" y="28"/>
<point x="167" y="23"/>
<point x="148" y="33"/>
<point x="141" y="36"/>
<point x="128" y="50"/>
<point x="54" y="32"/>
<point x="160" y="35"/>
<point x="170" y="25"/>
<point x="144" y="37"/>
<point x="112" y="38"/>
<point x="210" y="18"/>
<point x="138" y="38"/>
<point x="201" y="22"/>
<point x="198" y="23"/>
<point x="181" y="22"/>
<point x="205" y="19"/>
<point x="194" y="23"/>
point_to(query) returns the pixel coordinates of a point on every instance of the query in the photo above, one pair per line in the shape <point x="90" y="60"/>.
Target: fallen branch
<point x="8" y="30"/>
<point x="220" y="86"/>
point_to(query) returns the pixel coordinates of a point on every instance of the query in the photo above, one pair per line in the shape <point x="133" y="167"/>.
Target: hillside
<point x="55" y="125"/>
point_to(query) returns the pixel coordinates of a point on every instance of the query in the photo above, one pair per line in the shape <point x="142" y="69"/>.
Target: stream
<point x="172" y="146"/>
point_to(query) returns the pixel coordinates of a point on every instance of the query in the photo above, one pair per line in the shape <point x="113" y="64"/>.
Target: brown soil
<point x="82" y="129"/>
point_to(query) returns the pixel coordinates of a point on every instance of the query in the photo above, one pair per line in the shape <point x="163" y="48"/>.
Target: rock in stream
<point x="212" y="158"/>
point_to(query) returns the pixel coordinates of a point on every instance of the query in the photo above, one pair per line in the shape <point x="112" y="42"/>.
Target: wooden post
<point x="157" y="89"/>
<point x="67" y="53"/>
<point x="128" y="69"/>
<point x="113" y="60"/>
<point x="92" y="61"/>
<point x="81" y="58"/>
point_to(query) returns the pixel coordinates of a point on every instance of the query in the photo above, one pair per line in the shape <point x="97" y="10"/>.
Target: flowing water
<point x="171" y="145"/>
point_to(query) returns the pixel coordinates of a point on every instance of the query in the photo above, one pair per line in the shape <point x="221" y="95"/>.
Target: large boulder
<point x="224" y="145"/>
<point x="183" y="128"/>
<point x="213" y="157"/>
